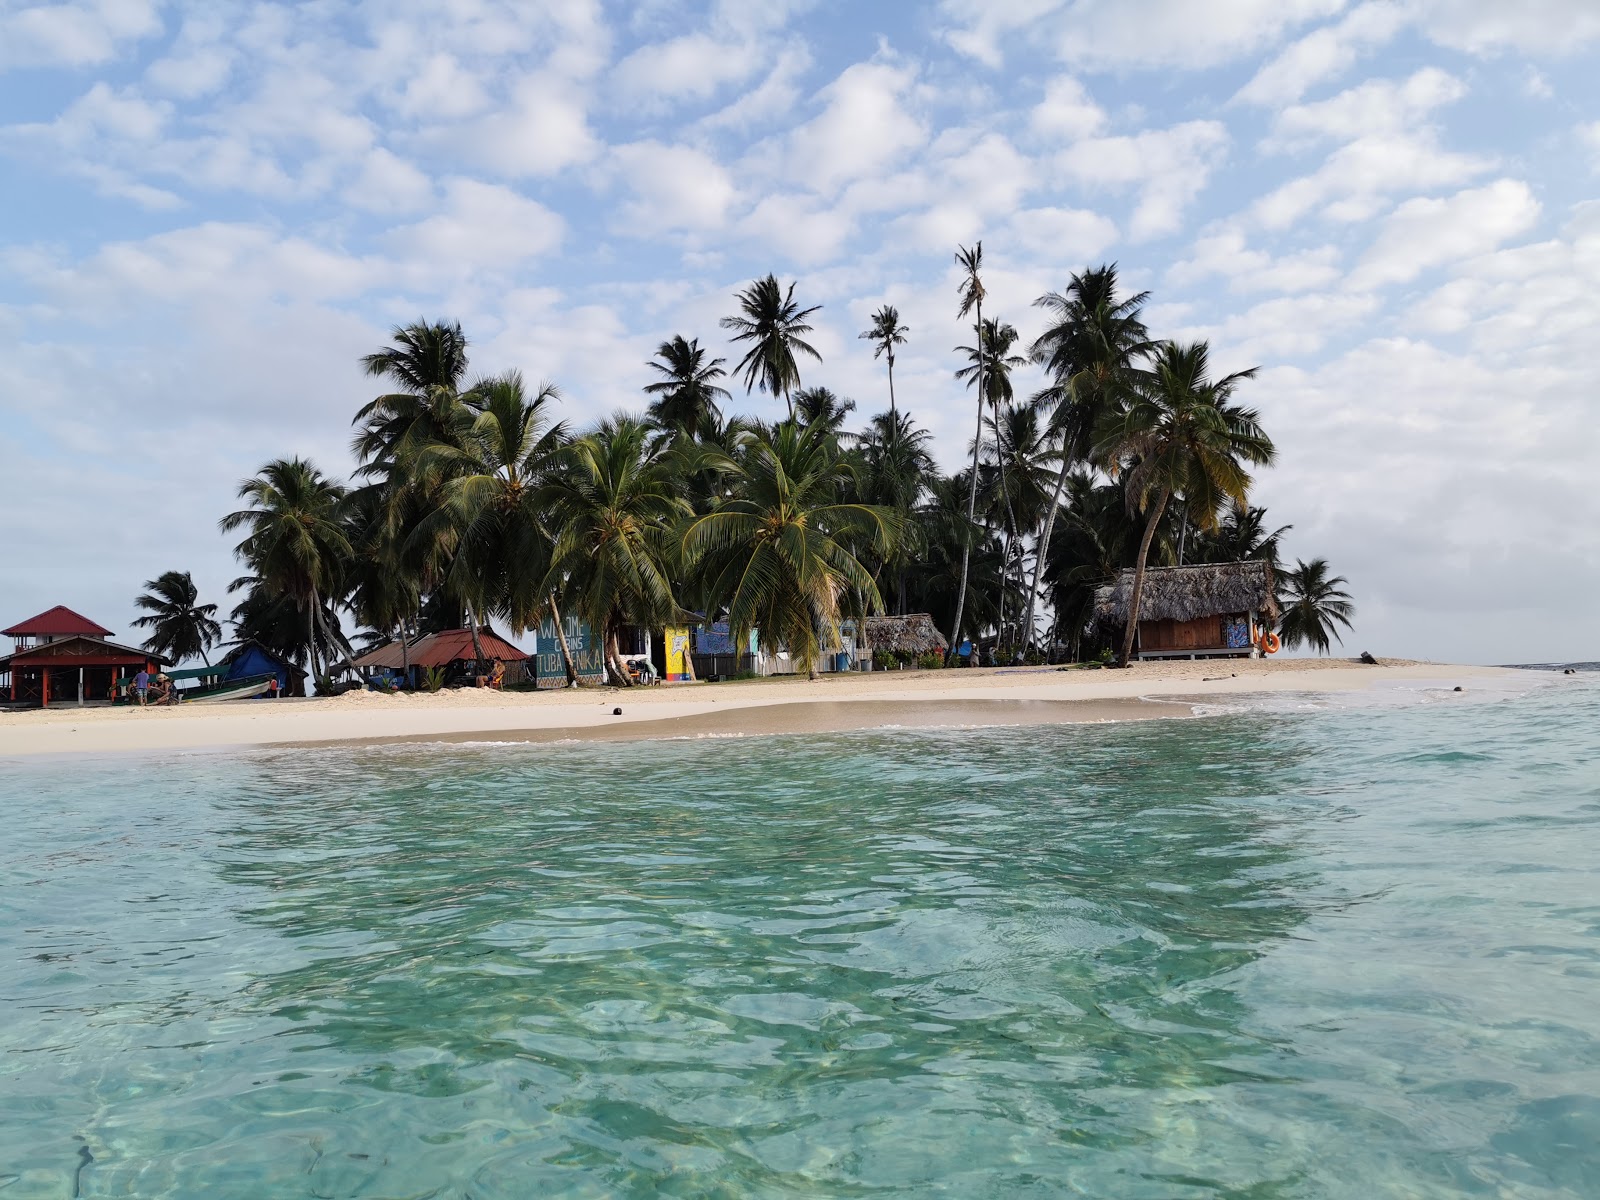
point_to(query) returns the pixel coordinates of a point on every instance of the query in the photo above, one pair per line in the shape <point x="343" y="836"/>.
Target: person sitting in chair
<point x="496" y="678"/>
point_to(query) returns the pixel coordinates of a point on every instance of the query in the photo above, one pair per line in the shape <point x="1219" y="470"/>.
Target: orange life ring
<point x="1269" y="643"/>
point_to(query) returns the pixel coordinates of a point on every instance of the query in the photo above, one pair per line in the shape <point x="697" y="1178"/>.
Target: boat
<point x="233" y="689"/>
<point x="242" y="688"/>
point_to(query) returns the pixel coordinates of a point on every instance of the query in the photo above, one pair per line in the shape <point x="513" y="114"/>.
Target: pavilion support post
<point x="80" y="687"/>
<point x="44" y="694"/>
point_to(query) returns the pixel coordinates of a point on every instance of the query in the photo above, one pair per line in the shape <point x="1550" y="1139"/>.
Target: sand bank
<point x="904" y="698"/>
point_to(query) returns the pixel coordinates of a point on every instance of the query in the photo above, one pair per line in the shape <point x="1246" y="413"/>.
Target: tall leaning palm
<point x="687" y="392"/>
<point x="1090" y="351"/>
<point x="180" y="627"/>
<point x="886" y="333"/>
<point x="773" y="325"/>
<point x="775" y="552"/>
<point x="1180" y="434"/>
<point x="295" y="540"/>
<point x="1314" y="605"/>
<point x="971" y="293"/>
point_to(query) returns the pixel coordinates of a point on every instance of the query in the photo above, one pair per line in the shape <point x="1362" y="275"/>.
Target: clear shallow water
<point x="1259" y="955"/>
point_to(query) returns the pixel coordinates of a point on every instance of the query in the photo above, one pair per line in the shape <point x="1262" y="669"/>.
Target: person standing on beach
<point x="141" y="684"/>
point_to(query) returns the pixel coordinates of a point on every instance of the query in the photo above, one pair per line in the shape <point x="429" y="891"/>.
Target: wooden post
<point x="80" y="687"/>
<point x="44" y="695"/>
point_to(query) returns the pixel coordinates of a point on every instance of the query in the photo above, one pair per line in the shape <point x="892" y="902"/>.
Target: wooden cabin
<point x="62" y="656"/>
<point x="1209" y="610"/>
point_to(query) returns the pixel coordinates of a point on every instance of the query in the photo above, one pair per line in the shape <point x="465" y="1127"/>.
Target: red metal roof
<point x="57" y="622"/>
<point x="438" y="649"/>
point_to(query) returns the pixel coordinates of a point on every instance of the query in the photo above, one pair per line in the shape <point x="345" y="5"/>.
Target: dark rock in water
<point x="1461" y="689"/>
<point x="616" y="712"/>
<point x="1569" y="671"/>
<point x="1368" y="659"/>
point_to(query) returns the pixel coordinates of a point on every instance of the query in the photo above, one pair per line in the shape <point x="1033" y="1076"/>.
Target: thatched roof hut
<point x="1184" y="594"/>
<point x="914" y="633"/>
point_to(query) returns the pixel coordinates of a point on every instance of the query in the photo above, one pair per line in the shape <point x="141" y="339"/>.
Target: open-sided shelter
<point x="61" y="655"/>
<point x="251" y="658"/>
<point x="450" y="649"/>
<point x="1209" y="610"/>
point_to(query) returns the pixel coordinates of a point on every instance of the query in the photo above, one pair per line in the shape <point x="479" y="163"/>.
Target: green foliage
<point x="433" y="678"/>
<point x="181" y="627"/>
<point x="931" y="661"/>
<point x="1314" y="606"/>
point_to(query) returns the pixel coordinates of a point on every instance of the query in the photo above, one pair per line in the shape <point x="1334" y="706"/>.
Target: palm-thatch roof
<point x="914" y="633"/>
<point x="1186" y="593"/>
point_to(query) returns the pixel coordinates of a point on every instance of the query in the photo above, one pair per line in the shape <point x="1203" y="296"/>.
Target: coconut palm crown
<point x="180" y="627"/>
<point x="1313" y="606"/>
<point x="774" y="325"/>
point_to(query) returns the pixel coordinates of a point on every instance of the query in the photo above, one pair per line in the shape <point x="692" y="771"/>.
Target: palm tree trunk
<point x="561" y="638"/>
<point x="472" y="622"/>
<point x="972" y="496"/>
<point x="891" y="391"/>
<point x="1044" y="544"/>
<point x="613" y="655"/>
<point x="1138" y="579"/>
<point x="405" y="652"/>
<point x="1011" y="526"/>
<point x="311" y="635"/>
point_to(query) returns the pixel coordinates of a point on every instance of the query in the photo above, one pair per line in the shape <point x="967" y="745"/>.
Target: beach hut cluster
<point x="62" y="657"/>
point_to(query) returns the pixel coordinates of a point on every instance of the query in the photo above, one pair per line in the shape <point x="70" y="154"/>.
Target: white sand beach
<point x="1017" y="695"/>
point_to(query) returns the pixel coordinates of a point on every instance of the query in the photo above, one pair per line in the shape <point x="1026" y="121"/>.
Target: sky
<point x="212" y="209"/>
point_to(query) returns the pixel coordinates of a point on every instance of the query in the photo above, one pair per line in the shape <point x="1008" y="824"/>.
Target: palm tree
<point x="886" y="333"/>
<point x="775" y="552"/>
<point x="615" y="501"/>
<point x="1090" y="351"/>
<point x="773" y="323"/>
<point x="687" y="392"/>
<point x="822" y="406"/>
<point x="971" y="293"/>
<point x="489" y="525"/>
<point x="1181" y="435"/>
<point x="1243" y="535"/>
<point x="295" y="539"/>
<point x="1313" y="605"/>
<point x="990" y="364"/>
<point x="428" y="361"/>
<point x="425" y="354"/>
<point x="896" y="468"/>
<point x="181" y="628"/>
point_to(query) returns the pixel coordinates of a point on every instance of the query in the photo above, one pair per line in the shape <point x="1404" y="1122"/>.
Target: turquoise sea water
<point x="1341" y="953"/>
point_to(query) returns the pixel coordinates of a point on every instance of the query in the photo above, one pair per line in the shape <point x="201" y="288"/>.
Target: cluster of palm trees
<point x="470" y="500"/>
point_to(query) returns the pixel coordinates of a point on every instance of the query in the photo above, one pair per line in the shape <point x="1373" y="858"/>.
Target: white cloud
<point x="388" y="183"/>
<point x="1489" y="26"/>
<point x="1323" y="54"/>
<point x="863" y="128"/>
<point x="693" y="66"/>
<point x="675" y="187"/>
<point x="1067" y="111"/>
<point x="1377" y="106"/>
<point x="73" y="34"/>
<point x="1589" y="138"/>
<point x="1062" y="235"/>
<point x="1117" y="33"/>
<point x="483" y="227"/>
<point x="773" y="97"/>
<point x="1355" y="181"/>
<point x="1426" y="233"/>
<point x="1167" y="167"/>
<point x="804" y="231"/>
<point x="1225" y="253"/>
<point x="542" y="130"/>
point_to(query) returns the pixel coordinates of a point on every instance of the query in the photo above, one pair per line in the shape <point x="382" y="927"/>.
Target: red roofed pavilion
<point x="63" y="654"/>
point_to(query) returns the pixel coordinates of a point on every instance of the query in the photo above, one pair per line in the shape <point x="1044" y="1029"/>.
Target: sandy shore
<point x="1019" y="695"/>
